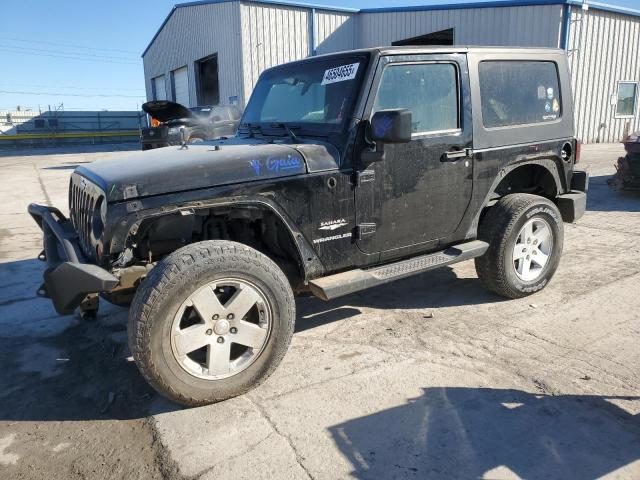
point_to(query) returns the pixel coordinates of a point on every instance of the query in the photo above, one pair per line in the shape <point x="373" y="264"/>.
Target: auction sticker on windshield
<point x="340" y="74"/>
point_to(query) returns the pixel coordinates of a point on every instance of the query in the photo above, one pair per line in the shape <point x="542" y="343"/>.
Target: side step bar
<point x="334" y="286"/>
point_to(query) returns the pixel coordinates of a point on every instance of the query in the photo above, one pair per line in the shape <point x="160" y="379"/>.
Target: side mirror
<point x="391" y="126"/>
<point x="387" y="126"/>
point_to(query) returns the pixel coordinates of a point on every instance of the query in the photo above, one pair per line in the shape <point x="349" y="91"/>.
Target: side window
<point x="626" y="102"/>
<point x="519" y="93"/>
<point x="429" y="90"/>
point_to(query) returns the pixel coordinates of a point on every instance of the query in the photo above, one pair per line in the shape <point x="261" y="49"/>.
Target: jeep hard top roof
<point x="417" y="49"/>
<point x="427" y="49"/>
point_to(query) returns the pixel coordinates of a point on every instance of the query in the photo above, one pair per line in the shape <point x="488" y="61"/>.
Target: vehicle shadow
<point x="65" y="166"/>
<point x="452" y="432"/>
<point x="57" y="368"/>
<point x="64" y="368"/>
<point x="602" y="198"/>
<point x="435" y="289"/>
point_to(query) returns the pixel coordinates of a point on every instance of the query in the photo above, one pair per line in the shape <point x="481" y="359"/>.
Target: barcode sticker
<point x="340" y="74"/>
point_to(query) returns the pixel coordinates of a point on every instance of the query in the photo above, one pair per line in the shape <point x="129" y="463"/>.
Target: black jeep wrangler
<point x="348" y="171"/>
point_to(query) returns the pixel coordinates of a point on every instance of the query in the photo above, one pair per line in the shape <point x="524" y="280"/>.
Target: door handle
<point x="453" y="155"/>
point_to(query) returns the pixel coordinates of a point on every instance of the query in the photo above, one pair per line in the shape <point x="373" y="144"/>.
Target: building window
<point x="627" y="99"/>
<point x="429" y="90"/>
<point x="519" y="93"/>
<point x="207" y="81"/>
<point x="442" y="37"/>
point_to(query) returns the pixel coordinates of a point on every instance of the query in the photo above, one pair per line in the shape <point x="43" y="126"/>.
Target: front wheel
<point x="525" y="236"/>
<point x="211" y="321"/>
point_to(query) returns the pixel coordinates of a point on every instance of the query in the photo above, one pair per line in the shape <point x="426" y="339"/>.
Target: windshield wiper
<point x="253" y="128"/>
<point x="289" y="129"/>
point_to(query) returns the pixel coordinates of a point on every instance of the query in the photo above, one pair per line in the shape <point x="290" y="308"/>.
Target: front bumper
<point x="68" y="279"/>
<point x="149" y="145"/>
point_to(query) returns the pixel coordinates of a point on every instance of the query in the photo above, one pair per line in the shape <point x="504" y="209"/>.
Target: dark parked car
<point x="349" y="171"/>
<point x="178" y="124"/>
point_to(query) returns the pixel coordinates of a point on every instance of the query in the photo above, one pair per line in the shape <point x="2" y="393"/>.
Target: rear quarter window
<point x="517" y="93"/>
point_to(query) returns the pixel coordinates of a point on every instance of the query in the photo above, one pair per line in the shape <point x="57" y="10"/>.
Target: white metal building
<point x="210" y="52"/>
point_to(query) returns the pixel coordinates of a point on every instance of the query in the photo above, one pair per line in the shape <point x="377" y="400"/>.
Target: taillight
<point x="154" y="122"/>
<point x="578" y="151"/>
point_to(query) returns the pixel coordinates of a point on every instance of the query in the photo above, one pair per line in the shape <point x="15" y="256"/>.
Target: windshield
<point x="320" y="92"/>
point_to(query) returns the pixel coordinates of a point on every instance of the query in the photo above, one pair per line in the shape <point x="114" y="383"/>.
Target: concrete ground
<point x="430" y="377"/>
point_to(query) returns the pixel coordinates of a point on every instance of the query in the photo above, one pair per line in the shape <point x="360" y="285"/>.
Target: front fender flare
<point x="124" y="234"/>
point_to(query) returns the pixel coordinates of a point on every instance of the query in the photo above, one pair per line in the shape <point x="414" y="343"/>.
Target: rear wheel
<point x="525" y="236"/>
<point x="210" y="322"/>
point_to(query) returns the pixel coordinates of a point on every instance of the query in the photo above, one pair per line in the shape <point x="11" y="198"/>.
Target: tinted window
<point x="518" y="93"/>
<point x="430" y="91"/>
<point x="626" y="106"/>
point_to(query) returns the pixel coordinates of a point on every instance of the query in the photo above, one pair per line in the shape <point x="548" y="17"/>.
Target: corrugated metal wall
<point x="528" y="26"/>
<point x="193" y="33"/>
<point x="604" y="48"/>
<point x="271" y="35"/>
<point x="335" y="31"/>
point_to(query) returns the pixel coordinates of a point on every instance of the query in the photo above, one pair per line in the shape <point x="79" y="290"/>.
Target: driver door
<point x="420" y="192"/>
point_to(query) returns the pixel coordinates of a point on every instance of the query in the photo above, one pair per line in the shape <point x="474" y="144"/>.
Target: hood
<point x="171" y="169"/>
<point x="164" y="110"/>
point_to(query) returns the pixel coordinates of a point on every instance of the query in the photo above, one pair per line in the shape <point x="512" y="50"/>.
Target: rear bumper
<point x="68" y="279"/>
<point x="572" y="205"/>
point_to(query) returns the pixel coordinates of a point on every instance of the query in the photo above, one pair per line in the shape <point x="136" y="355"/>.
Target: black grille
<point x="84" y="198"/>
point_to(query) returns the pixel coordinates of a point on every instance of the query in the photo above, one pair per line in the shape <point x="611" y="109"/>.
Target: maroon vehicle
<point x="627" y="174"/>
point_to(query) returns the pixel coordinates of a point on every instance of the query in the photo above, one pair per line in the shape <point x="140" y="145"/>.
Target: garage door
<point x="159" y="88"/>
<point x="181" y="86"/>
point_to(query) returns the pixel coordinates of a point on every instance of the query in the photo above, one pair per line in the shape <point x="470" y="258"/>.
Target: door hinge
<point x="364" y="229"/>
<point x="363" y="177"/>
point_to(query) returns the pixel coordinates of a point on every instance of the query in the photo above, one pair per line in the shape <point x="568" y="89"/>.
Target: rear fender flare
<point x="548" y="164"/>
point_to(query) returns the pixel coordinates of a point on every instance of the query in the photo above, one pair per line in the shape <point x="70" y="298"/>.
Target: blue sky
<point x="86" y="54"/>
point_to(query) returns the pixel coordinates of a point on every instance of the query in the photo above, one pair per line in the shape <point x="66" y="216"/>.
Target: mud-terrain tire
<point x="187" y="286"/>
<point x="505" y="228"/>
